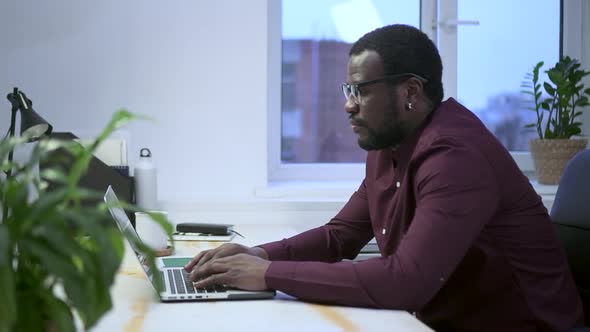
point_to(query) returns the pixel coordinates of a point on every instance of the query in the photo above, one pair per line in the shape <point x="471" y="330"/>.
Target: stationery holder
<point x="98" y="176"/>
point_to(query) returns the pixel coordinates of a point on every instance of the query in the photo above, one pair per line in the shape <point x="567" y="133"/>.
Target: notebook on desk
<point x="178" y="285"/>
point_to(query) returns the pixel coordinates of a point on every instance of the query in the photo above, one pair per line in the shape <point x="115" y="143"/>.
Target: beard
<point x="389" y="135"/>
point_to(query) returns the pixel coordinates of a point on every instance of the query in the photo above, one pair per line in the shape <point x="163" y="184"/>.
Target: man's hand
<point x="225" y="250"/>
<point x="243" y="271"/>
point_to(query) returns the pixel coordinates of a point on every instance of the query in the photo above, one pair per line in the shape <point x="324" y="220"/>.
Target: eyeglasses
<point x="353" y="89"/>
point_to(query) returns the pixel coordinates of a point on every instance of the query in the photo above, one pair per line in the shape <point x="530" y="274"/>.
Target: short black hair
<point x="406" y="49"/>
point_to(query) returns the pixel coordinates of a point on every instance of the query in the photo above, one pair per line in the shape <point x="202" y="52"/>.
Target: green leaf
<point x="45" y="204"/>
<point x="60" y="240"/>
<point x="102" y="238"/>
<point x="60" y="314"/>
<point x="29" y="317"/>
<point x="104" y="244"/>
<point x="9" y="144"/>
<point x="574" y="131"/>
<point x="550" y="89"/>
<point x="54" y="175"/>
<point x="530" y="125"/>
<point x="8" y="312"/>
<point x="5" y="246"/>
<point x="549" y="134"/>
<point x="76" y="285"/>
<point x="16" y="196"/>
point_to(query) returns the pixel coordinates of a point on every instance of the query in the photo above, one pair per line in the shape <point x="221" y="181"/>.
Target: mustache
<point x="357" y="122"/>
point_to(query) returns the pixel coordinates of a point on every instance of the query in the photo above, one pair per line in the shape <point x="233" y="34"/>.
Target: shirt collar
<point x="404" y="151"/>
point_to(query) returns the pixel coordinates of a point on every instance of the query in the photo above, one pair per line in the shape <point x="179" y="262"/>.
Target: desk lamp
<point x="32" y="124"/>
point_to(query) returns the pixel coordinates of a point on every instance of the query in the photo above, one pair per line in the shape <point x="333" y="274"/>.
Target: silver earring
<point x="409" y="106"/>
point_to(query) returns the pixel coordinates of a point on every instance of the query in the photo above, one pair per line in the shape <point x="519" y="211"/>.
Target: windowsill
<point x="544" y="189"/>
<point x="340" y="191"/>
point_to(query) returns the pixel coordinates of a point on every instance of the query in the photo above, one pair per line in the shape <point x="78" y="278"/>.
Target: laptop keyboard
<point x="180" y="283"/>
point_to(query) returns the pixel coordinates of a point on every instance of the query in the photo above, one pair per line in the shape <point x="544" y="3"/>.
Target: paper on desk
<point x="112" y="151"/>
<point x="202" y="237"/>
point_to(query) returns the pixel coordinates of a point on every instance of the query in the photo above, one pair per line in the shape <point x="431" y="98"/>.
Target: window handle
<point x="450" y="24"/>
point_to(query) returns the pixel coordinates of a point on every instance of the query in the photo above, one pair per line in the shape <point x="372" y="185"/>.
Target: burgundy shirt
<point x="465" y="241"/>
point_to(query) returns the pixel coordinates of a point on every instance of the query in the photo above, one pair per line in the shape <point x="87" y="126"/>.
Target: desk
<point x="136" y="306"/>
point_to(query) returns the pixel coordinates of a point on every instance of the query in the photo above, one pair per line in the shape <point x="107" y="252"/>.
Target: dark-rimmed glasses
<point x="353" y="89"/>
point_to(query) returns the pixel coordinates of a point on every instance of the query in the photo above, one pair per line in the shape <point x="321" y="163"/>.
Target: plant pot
<point x="551" y="157"/>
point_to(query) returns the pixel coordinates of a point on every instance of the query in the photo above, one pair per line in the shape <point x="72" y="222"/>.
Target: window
<point x="515" y="41"/>
<point x="486" y="46"/>
<point x="315" y="48"/>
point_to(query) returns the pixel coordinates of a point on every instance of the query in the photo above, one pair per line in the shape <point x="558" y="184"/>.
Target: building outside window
<point x="491" y="49"/>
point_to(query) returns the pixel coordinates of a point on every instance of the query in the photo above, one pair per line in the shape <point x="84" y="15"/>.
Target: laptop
<point x="177" y="281"/>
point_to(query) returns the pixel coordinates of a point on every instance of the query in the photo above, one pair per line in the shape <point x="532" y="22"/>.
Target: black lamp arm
<point x="16" y="103"/>
<point x="10" y="153"/>
<point x="11" y="134"/>
<point x="14" y="100"/>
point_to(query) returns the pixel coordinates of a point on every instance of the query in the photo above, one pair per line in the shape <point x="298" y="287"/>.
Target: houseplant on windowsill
<point x="58" y="257"/>
<point x="557" y="113"/>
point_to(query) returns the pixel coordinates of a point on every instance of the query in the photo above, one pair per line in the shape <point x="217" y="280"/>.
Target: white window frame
<point x="277" y="171"/>
<point x="575" y="43"/>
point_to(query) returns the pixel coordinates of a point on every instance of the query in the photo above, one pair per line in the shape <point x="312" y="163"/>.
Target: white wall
<point x="198" y="67"/>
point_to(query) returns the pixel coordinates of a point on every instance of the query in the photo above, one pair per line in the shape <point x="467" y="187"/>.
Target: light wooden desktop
<point x="136" y="306"/>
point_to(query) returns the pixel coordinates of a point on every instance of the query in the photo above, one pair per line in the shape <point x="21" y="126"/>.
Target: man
<point x="465" y="241"/>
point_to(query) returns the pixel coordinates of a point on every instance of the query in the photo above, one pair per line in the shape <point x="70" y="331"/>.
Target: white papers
<point x="202" y="237"/>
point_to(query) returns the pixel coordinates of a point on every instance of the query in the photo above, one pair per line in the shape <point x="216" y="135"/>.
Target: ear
<point x="414" y="88"/>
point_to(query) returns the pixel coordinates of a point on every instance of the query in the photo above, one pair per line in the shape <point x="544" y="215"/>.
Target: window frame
<point x="571" y="34"/>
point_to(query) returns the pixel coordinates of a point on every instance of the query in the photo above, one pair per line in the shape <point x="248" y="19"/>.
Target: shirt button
<point x="383" y="231"/>
<point x="397" y="184"/>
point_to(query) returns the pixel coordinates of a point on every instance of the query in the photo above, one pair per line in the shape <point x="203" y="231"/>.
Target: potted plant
<point x="58" y="257"/>
<point x="557" y="111"/>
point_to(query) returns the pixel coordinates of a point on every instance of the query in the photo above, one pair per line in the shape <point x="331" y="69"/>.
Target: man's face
<point x="378" y="119"/>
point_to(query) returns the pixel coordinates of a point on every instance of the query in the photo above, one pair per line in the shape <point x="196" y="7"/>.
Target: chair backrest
<point x="571" y="216"/>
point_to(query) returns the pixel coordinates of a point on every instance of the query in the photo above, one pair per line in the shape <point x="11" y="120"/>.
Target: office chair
<point x="570" y="214"/>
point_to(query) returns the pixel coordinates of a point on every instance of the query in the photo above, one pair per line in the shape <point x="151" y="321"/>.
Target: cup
<point x="150" y="232"/>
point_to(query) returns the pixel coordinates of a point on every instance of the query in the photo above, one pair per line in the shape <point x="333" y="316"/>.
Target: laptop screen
<point x="126" y="228"/>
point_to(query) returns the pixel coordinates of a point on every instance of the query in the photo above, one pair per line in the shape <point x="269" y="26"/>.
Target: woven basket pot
<point x="551" y="156"/>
